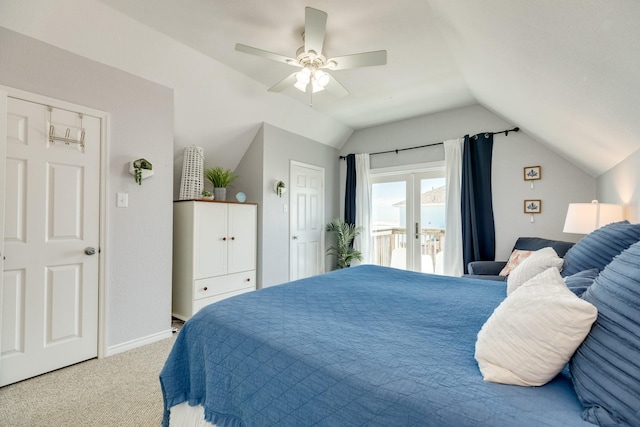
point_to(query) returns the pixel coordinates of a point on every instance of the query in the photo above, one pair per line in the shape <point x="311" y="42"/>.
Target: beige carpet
<point x="120" y="390"/>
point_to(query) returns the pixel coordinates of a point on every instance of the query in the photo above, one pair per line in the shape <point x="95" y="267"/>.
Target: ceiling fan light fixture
<point x="321" y="78"/>
<point x="315" y="87"/>
<point x="303" y="76"/>
<point x="318" y="78"/>
<point x="311" y="59"/>
<point x="300" y="86"/>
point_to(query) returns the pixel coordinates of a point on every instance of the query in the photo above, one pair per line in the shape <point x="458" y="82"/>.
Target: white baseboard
<point x="130" y="345"/>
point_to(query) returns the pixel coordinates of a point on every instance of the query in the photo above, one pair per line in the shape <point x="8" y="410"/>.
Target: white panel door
<point x="3" y="147"/>
<point x="50" y="290"/>
<point x="306" y="221"/>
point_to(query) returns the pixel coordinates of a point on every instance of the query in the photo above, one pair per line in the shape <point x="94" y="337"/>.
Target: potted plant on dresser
<point x="220" y="179"/>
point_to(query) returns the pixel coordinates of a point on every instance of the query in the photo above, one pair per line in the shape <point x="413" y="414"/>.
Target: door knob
<point x="90" y="251"/>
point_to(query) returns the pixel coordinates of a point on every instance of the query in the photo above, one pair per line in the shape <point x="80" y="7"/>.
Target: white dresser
<point x="214" y="253"/>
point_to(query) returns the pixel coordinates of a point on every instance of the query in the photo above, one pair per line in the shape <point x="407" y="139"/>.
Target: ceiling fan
<point x="314" y="75"/>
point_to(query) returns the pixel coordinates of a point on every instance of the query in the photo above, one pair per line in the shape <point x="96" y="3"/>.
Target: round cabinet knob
<point x="205" y="288"/>
<point x="248" y="279"/>
<point x="294" y="237"/>
<point x="90" y="251"/>
<point x="224" y="239"/>
<point x="233" y="238"/>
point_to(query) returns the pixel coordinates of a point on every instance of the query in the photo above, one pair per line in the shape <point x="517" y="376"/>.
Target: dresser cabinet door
<point x="242" y="241"/>
<point x="210" y="240"/>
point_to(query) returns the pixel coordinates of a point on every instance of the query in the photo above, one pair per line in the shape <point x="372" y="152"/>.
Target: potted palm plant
<point x="220" y="179"/>
<point x="343" y="250"/>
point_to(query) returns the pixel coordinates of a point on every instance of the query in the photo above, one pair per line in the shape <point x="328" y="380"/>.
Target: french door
<point x="408" y="219"/>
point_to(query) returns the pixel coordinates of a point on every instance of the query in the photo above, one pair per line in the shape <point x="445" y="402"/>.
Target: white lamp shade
<point x="303" y="76"/>
<point x="302" y="87"/>
<point x="322" y="78"/>
<point x="583" y="218"/>
<point x="315" y="87"/>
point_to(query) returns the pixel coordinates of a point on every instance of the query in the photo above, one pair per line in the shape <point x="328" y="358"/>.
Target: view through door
<point x="408" y="220"/>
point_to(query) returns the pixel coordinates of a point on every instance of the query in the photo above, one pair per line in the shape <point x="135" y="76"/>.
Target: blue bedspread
<point x="362" y="346"/>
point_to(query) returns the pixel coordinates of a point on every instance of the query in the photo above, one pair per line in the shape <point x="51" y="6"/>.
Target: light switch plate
<point x="122" y="200"/>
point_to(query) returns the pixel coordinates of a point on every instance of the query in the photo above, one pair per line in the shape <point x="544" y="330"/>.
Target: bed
<point x="366" y="345"/>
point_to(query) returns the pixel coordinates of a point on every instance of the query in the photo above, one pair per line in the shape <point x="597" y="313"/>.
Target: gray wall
<point x="138" y="292"/>
<point x="621" y="184"/>
<point x="272" y="154"/>
<point x="561" y="182"/>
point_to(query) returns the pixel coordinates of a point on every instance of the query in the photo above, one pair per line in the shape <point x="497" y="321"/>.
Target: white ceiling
<point x="563" y="71"/>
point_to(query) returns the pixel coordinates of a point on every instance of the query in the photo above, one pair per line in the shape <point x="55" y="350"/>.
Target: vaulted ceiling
<point x="566" y="72"/>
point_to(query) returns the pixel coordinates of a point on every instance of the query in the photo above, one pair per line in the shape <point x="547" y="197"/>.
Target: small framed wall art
<point x="532" y="173"/>
<point x="532" y="206"/>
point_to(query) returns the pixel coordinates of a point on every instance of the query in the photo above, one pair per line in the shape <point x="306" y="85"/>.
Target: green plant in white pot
<point x="138" y="166"/>
<point x="220" y="179"/>
<point x="343" y="250"/>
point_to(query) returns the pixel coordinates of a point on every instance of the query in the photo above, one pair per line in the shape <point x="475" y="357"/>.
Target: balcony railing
<point x="386" y="241"/>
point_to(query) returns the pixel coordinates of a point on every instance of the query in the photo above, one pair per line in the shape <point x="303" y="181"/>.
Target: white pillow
<point x="535" y="264"/>
<point x="534" y="332"/>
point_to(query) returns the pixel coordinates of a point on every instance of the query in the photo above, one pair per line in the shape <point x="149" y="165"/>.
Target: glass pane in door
<point x="432" y="224"/>
<point x="389" y="223"/>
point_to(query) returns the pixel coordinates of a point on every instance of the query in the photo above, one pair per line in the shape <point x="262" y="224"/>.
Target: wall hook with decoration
<point x="141" y="169"/>
<point x="533" y="207"/>
<point x="532" y="173"/>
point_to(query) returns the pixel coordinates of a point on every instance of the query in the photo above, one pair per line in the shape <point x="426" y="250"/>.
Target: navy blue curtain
<point x="350" y="191"/>
<point x="478" y="228"/>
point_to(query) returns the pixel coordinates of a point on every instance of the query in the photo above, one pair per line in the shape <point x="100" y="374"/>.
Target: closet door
<point x="306" y="221"/>
<point x="51" y="238"/>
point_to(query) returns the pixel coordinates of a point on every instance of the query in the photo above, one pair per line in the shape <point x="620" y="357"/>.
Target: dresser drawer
<point x="212" y="286"/>
<point x="202" y="302"/>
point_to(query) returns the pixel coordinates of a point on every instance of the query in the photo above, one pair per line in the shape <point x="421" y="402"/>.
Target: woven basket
<point x="192" y="173"/>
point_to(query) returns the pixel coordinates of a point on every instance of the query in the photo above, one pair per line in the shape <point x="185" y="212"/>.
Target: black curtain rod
<point x="397" y="150"/>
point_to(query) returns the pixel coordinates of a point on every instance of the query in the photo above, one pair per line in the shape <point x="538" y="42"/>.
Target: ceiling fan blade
<point x="266" y="54"/>
<point x="366" y="59"/>
<point x="290" y="80"/>
<point x="315" y="23"/>
<point x="335" y="88"/>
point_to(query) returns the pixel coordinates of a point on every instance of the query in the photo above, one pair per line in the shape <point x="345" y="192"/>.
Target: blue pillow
<point x="606" y="367"/>
<point x="580" y="282"/>
<point x="598" y="248"/>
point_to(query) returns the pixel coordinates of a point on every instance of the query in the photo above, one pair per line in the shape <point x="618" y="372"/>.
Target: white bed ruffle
<point x="183" y="415"/>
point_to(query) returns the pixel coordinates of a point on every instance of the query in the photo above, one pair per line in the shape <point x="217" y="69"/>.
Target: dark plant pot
<point x="220" y="193"/>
